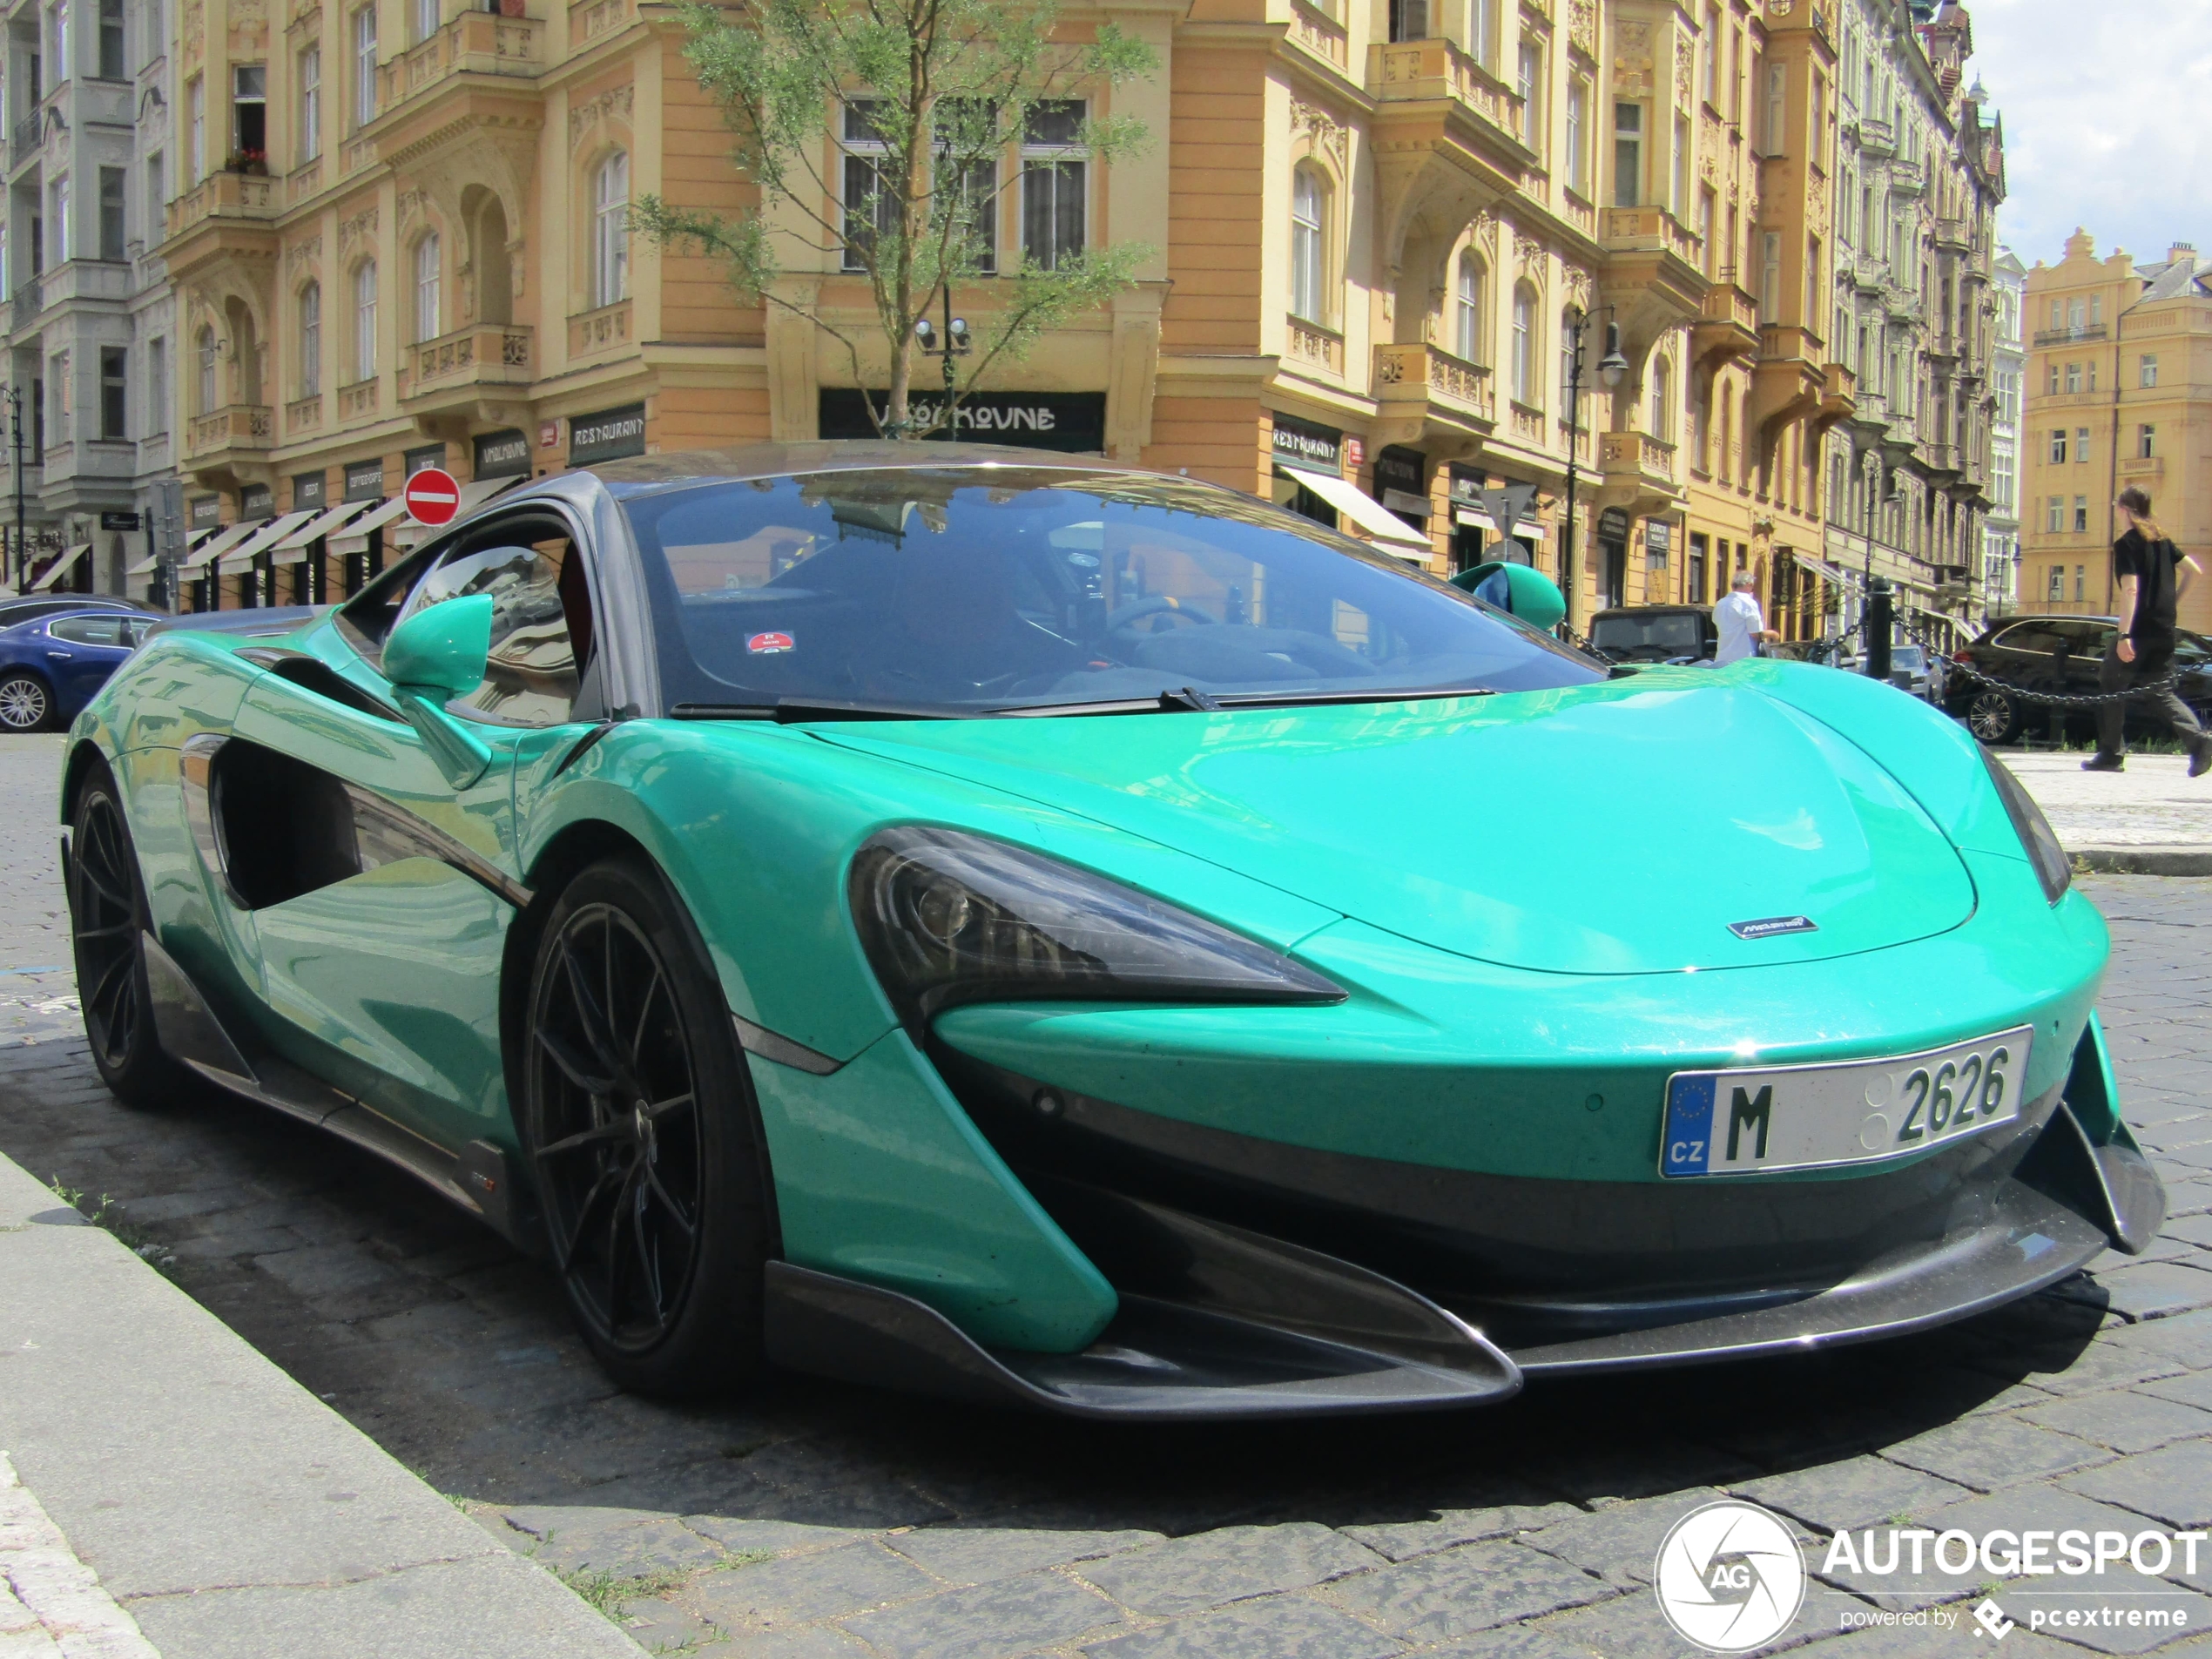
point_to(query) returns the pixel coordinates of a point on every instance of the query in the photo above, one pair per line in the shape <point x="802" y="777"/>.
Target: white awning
<point x="355" y="536"/>
<point x="152" y="562"/>
<point x="1475" y="518"/>
<point x="1826" y="571"/>
<point x="242" y="556"/>
<point x="322" y="523"/>
<point x="61" y="565"/>
<point x="1370" y="514"/>
<point x="214" y="549"/>
<point x="477" y="492"/>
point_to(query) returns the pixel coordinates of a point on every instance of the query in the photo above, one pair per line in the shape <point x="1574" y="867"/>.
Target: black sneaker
<point x="2201" y="757"/>
<point x="2116" y="762"/>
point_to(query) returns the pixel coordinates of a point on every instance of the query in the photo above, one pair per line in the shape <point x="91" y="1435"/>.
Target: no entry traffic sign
<point x="432" y="496"/>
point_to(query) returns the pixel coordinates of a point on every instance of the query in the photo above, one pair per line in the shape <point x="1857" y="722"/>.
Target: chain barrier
<point x="2027" y="694"/>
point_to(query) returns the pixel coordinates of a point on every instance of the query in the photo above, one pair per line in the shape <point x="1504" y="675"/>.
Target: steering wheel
<point x="1154" y="605"/>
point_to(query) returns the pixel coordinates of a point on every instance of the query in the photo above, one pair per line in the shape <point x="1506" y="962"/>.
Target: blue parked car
<point x="53" y="664"/>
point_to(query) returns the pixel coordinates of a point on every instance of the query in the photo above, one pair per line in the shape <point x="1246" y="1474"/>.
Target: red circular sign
<point x="432" y="496"/>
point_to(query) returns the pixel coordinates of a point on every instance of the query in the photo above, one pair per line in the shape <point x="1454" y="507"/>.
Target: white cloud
<point x="2104" y="103"/>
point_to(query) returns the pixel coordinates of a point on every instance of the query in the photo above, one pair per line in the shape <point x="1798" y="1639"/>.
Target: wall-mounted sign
<point x="608" y="436"/>
<point x="1612" y="524"/>
<point x="1355" y="452"/>
<point x="256" y="500"/>
<point x="503" y="454"/>
<point x="310" y="489"/>
<point x="364" y="479"/>
<point x="1658" y="536"/>
<point x="1301" y="443"/>
<point x="548" y="434"/>
<point x="1407" y="472"/>
<point x="118" y="521"/>
<point x="430" y="455"/>
<point x="1073" y="423"/>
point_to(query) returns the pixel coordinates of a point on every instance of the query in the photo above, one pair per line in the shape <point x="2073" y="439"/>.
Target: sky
<point x="2105" y="104"/>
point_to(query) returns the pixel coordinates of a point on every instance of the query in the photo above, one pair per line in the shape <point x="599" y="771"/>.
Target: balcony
<point x="303" y="181"/>
<point x="1640" y="229"/>
<point x="108" y="280"/>
<point x="1412" y="71"/>
<point x="1307" y="345"/>
<point x="476" y="42"/>
<point x="1839" y="399"/>
<point x="25" y="139"/>
<point x="1727" y="326"/>
<point x="1908" y="178"/>
<point x="1310" y="27"/>
<point x="239" y="426"/>
<point x="593" y="19"/>
<point x="1789" y="342"/>
<point x="303" y="414"/>
<point x="2069" y="336"/>
<point x="484" y="353"/>
<point x="2142" y="470"/>
<point x="1421" y="383"/>
<point x="239" y="196"/>
<point x="605" y="329"/>
<point x="1955" y="235"/>
<point x="1941" y="457"/>
<point x="27" y="304"/>
<point x="1876" y="138"/>
<point x="1638" y="461"/>
<point x="358" y="400"/>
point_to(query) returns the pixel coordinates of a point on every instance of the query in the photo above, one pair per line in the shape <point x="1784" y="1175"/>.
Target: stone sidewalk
<point x="2151" y="820"/>
<point x="810" y="1518"/>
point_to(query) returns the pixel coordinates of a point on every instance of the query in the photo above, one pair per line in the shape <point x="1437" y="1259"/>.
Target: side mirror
<point x="1522" y="590"/>
<point x="437" y="654"/>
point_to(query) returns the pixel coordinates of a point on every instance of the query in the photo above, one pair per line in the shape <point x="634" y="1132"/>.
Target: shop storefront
<point x="1071" y="422"/>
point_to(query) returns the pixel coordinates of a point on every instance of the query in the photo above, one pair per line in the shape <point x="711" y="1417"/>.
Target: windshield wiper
<point x="792" y="711"/>
<point x="1190" y="699"/>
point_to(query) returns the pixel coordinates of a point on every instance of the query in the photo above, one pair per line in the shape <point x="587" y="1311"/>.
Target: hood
<point x="1615" y="828"/>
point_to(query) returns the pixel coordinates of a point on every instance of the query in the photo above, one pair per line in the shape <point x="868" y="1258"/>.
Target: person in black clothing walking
<point x="2153" y="574"/>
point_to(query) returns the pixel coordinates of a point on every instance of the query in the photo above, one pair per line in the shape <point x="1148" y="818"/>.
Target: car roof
<point x="1650" y="611"/>
<point x="641" y="472"/>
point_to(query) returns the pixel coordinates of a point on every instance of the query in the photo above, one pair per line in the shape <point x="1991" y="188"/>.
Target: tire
<point x="1992" y="717"/>
<point x="643" y="1135"/>
<point x="108" y="920"/>
<point x="25" y="703"/>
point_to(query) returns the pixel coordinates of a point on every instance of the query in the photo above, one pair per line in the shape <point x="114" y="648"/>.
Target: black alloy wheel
<point x="25" y="704"/>
<point x="1992" y="717"/>
<point x="108" y="920"/>
<point x="643" y="1138"/>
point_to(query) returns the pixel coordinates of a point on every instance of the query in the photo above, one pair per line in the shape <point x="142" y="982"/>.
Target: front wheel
<point x="108" y="919"/>
<point x="1992" y="717"/>
<point x="25" y="704"/>
<point x="639" y="1123"/>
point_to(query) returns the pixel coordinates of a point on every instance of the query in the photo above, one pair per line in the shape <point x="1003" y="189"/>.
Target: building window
<point x="2076" y="315"/>
<point x="1770" y="277"/>
<point x="1627" y="154"/>
<point x="2145" y="442"/>
<point x="1309" y="214"/>
<point x="196" y="125"/>
<point x="1055" y="174"/>
<point x="1706" y="251"/>
<point x="1469" y="333"/>
<point x="428" y="309"/>
<point x="2054" y="514"/>
<point x="115" y="393"/>
<point x="2081" y="444"/>
<point x="365" y="320"/>
<point x="250" y="112"/>
<point x="111" y="213"/>
<point x="1578" y="138"/>
<point x="2058" y="444"/>
<point x="57" y="216"/>
<point x="311" y="103"/>
<point x="1663" y="423"/>
<point x="1813" y="281"/>
<point x="2150" y="366"/>
<point x="1482" y="31"/>
<point x="311" y="340"/>
<point x="157" y="385"/>
<point x="1529" y="83"/>
<point x="1777" y="109"/>
<point x="364" y="66"/>
<point x="208" y="401"/>
<point x="2081" y="582"/>
<point x="57" y="378"/>
<point x="58" y="37"/>
<point x="1409" y="19"/>
<point x="610" y="230"/>
<point x="426" y="19"/>
<point x="1712" y="45"/>
<point x="1567" y="363"/>
<point x="156" y="194"/>
<point x="2073" y="377"/>
<point x="1679" y="201"/>
<point x="870" y="209"/>
<point x="2058" y="584"/>
<point x="112" y="67"/>
<point x="2096" y="309"/>
<point x="2080" y="513"/>
<point x="1524" y="344"/>
<point x="2093" y="374"/>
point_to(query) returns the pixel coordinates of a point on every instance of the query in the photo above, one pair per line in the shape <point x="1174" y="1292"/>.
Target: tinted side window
<point x="541" y="634"/>
<point x="2081" y="637"/>
<point x="88" y="630"/>
<point x="2028" y="636"/>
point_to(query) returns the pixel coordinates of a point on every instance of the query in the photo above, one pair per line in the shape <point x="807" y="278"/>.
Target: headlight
<point x="948" y="918"/>
<point x="2052" y="868"/>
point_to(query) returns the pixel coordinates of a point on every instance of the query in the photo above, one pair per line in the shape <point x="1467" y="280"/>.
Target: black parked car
<point x="1655" y="634"/>
<point x="2060" y="654"/>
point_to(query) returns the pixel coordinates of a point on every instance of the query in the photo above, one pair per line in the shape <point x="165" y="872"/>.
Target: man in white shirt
<point x="1740" y="624"/>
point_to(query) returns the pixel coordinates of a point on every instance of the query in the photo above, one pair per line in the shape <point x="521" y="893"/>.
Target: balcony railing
<point x="27" y="304"/>
<point x="357" y="400"/>
<point x="225" y="195"/>
<point x="2136" y="468"/>
<point x="483" y="353"/>
<point x="1637" y="456"/>
<point x="303" y="181"/>
<point x="1430" y="374"/>
<point x="1653" y="226"/>
<point x="2069" y="336"/>
<point x="593" y="19"/>
<point x="25" y="141"/>
<point x="241" y="426"/>
<point x="303" y="414"/>
<point x="1876" y="138"/>
<point x="1319" y="33"/>
<point x="477" y="43"/>
<point x="600" y="330"/>
<point x="1313" y="347"/>
<point x="1433" y="69"/>
<point x="1956" y="235"/>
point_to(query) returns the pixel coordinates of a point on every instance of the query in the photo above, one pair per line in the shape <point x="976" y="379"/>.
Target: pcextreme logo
<point x="1729" y="1577"/>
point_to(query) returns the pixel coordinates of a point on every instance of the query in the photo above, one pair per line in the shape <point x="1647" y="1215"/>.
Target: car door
<point x="386" y="979"/>
<point x="80" y="652"/>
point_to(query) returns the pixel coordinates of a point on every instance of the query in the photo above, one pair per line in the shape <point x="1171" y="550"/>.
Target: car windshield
<point x="1677" y="634"/>
<point x="974" y="588"/>
<point x="1906" y="656"/>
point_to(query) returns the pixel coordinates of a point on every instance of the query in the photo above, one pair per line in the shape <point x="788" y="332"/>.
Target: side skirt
<point x="481" y="1181"/>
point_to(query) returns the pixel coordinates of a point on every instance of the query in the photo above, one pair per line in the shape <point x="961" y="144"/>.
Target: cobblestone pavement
<point x="815" y="1520"/>
<point x="2154" y="803"/>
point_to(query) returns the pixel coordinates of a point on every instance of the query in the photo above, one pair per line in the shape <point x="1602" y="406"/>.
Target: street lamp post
<point x="956" y="343"/>
<point x="13" y="396"/>
<point x="1610" y="369"/>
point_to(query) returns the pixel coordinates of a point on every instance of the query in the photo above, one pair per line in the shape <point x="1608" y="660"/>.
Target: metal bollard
<point x="1874" y="632"/>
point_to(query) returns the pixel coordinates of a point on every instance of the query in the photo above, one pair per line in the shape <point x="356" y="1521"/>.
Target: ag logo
<point x="1729" y="1577"/>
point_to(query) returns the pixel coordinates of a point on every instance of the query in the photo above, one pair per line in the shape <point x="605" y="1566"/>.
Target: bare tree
<point x="916" y="106"/>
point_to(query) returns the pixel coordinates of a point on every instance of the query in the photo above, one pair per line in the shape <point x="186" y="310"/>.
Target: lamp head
<point x="1613" y="366"/>
<point x="923" y="332"/>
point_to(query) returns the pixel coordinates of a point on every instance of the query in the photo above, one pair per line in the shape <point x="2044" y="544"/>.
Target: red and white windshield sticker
<point x="769" y="644"/>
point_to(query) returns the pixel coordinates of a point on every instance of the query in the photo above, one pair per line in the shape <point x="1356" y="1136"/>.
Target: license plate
<point x="1814" y="1118"/>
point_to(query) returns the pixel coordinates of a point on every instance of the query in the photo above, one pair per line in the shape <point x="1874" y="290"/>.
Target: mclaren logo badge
<point x="1767" y="927"/>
